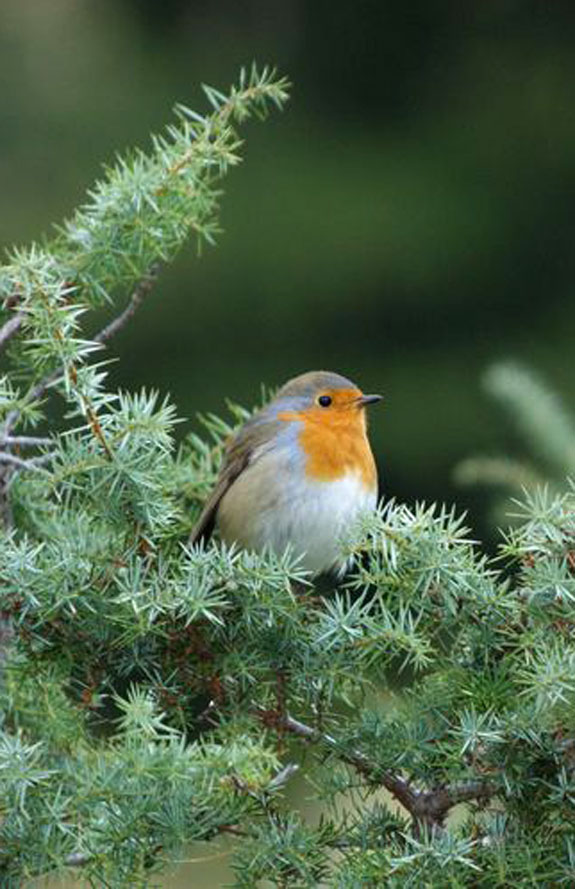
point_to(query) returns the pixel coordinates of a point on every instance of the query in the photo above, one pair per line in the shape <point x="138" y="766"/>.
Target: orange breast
<point x="335" y="443"/>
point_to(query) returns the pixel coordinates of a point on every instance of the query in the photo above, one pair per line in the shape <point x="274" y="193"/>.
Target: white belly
<point x="308" y="516"/>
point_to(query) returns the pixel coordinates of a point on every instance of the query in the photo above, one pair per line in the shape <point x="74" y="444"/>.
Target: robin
<point x="297" y="473"/>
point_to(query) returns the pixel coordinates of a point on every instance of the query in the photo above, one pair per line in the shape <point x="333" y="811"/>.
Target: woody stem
<point x="426" y="807"/>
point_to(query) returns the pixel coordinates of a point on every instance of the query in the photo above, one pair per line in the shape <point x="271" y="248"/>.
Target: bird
<point x="297" y="474"/>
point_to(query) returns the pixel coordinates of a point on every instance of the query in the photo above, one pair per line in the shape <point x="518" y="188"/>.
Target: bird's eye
<point x="324" y="400"/>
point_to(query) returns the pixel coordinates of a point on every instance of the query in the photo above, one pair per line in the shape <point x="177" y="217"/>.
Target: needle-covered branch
<point x="426" y="807"/>
<point x="136" y="218"/>
<point x="140" y="292"/>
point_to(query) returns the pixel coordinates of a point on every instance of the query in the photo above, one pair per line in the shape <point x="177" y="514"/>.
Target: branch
<point x="78" y="859"/>
<point x="33" y="464"/>
<point x="395" y="784"/>
<point x="6" y="332"/>
<point x="426" y="807"/>
<point x="10" y="329"/>
<point x="24" y="441"/>
<point x="435" y="804"/>
<point x="141" y="290"/>
<point x="6" y="517"/>
<point x="279" y="780"/>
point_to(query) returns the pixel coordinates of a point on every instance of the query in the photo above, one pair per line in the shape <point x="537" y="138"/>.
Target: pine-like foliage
<point x="546" y="428"/>
<point x="154" y="694"/>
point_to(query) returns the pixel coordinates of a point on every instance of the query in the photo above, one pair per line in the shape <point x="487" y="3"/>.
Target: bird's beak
<point x="368" y="399"/>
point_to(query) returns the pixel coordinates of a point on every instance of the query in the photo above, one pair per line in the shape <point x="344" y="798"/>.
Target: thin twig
<point x="23" y="464"/>
<point x="283" y="776"/>
<point x="43" y="458"/>
<point x="78" y="859"/>
<point x="10" y="329"/>
<point x="33" y="395"/>
<point x="24" y="441"/>
<point x="141" y="290"/>
<point x="6" y="516"/>
<point x="398" y="786"/>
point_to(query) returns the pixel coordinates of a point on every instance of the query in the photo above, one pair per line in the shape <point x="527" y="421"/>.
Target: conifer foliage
<point x="545" y="428"/>
<point x="154" y="694"/>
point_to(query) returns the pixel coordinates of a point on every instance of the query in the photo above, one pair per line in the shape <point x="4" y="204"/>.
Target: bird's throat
<point x="335" y="448"/>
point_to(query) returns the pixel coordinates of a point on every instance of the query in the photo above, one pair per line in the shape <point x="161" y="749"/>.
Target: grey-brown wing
<point x="242" y="450"/>
<point x="205" y="524"/>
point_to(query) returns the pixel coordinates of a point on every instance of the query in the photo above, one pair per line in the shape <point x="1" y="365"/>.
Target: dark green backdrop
<point x="407" y="220"/>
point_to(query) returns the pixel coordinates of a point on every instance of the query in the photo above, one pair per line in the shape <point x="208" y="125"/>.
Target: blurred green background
<point x="408" y="219"/>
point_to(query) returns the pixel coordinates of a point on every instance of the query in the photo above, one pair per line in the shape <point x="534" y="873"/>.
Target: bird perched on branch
<point x="297" y="473"/>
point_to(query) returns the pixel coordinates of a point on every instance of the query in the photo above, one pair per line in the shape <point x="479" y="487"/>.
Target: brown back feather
<point x="242" y="449"/>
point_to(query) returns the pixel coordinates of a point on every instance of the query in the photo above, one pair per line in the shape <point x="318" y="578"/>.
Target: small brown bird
<point x="297" y="473"/>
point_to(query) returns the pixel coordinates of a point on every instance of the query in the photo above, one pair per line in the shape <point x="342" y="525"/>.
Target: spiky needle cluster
<point x="153" y="695"/>
<point x="545" y="427"/>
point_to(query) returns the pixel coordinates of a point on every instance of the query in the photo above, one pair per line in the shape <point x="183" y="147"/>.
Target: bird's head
<point x="324" y="398"/>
